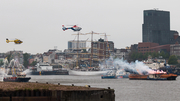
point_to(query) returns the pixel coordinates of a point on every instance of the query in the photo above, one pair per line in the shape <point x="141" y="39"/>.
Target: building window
<point x="154" y="14"/>
<point x="149" y="14"/>
<point x="145" y="14"/>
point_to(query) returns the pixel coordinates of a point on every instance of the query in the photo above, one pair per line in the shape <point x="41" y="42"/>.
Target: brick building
<point x="102" y="49"/>
<point x="152" y="47"/>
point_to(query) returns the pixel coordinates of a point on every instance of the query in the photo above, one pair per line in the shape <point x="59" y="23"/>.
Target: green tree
<point x="133" y="55"/>
<point x="157" y="54"/>
<point x="153" y="55"/>
<point x="33" y="63"/>
<point x="162" y="54"/>
<point x="140" y="56"/>
<point x="26" y="59"/>
<point x="172" y="60"/>
<point x="145" y="56"/>
<point x="8" y="57"/>
<point x="1" y="62"/>
<point x="166" y="56"/>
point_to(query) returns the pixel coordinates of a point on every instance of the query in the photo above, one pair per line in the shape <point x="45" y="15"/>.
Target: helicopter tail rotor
<point x="64" y="28"/>
<point x="7" y="40"/>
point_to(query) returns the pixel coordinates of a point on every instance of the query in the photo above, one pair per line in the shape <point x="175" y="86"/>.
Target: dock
<point x="34" y="91"/>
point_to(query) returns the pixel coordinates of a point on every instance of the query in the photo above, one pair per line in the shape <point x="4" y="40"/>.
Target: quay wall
<point x="57" y="95"/>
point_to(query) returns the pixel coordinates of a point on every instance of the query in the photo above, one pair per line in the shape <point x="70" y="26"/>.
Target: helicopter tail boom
<point x="64" y="28"/>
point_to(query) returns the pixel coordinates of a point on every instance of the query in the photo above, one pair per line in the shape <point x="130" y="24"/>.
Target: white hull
<point x="73" y="72"/>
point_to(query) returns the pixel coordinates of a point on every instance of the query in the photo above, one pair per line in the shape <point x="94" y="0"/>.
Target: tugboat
<point x="109" y="75"/>
<point x="19" y="77"/>
<point x="122" y="74"/>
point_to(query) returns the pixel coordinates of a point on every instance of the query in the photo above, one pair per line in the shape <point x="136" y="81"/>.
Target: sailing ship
<point x="79" y="71"/>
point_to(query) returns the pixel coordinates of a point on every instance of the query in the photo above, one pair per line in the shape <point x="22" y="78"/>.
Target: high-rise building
<point x="156" y="27"/>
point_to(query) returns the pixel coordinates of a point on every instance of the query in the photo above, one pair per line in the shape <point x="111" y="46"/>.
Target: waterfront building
<point x="176" y="38"/>
<point x="134" y="47"/>
<point x="53" y="56"/>
<point x="175" y="49"/>
<point x="38" y="58"/>
<point x="73" y="44"/>
<point x="144" y="47"/>
<point x="45" y="57"/>
<point x="31" y="59"/>
<point x="48" y="56"/>
<point x="102" y="49"/>
<point x="122" y="53"/>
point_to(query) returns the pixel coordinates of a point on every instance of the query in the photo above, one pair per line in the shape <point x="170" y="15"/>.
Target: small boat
<point x="109" y="75"/>
<point x="19" y="77"/>
<point x="122" y="74"/>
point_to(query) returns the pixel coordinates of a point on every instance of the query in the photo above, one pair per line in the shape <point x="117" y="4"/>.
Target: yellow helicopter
<point x="16" y="41"/>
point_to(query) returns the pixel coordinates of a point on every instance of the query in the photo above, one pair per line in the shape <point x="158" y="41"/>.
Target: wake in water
<point x="27" y="71"/>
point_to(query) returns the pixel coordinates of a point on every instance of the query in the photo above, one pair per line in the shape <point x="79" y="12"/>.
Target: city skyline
<point x="39" y="23"/>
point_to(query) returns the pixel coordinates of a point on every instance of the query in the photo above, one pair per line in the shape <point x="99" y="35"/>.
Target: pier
<point x="18" y="91"/>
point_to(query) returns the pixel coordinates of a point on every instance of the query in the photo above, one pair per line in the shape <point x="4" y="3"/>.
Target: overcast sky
<point x="38" y="23"/>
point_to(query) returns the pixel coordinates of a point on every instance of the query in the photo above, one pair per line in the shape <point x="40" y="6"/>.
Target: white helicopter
<point x="74" y="28"/>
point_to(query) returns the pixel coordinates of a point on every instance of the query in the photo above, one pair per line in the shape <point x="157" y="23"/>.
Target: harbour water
<point x="125" y="89"/>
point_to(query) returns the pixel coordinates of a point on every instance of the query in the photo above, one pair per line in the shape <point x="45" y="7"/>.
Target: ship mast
<point x="91" y="57"/>
<point x="91" y="49"/>
<point x="77" y="58"/>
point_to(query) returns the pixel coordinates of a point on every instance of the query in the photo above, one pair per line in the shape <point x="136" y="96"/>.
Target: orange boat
<point x="156" y="76"/>
<point x="137" y="77"/>
<point x="160" y="76"/>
